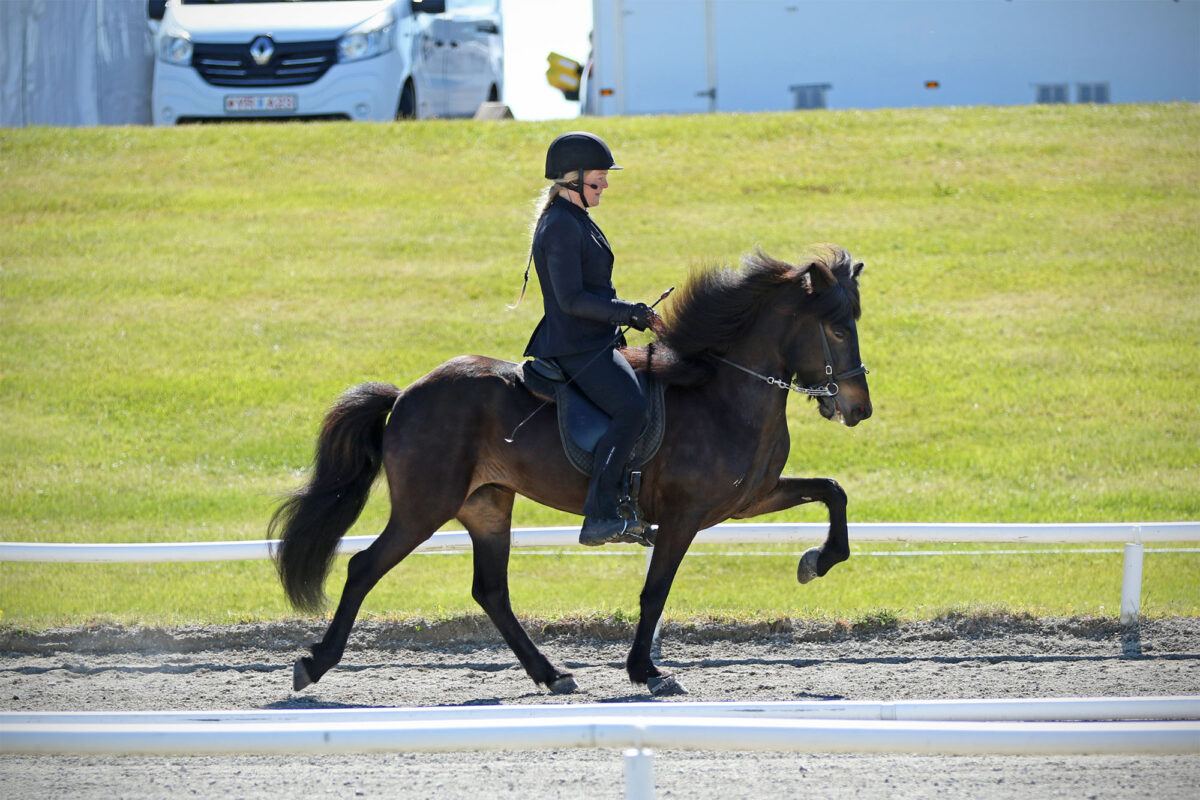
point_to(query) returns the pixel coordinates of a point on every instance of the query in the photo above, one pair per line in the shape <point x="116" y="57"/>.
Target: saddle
<point x="581" y="423"/>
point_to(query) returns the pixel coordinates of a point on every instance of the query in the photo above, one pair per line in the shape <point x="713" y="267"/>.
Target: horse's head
<point x="797" y="322"/>
<point x="823" y="352"/>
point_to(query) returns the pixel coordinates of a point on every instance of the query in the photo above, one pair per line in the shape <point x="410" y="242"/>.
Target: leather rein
<point x="827" y="389"/>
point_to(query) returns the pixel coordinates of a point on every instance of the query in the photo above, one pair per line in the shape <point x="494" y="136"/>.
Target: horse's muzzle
<point x="857" y="413"/>
<point x="846" y="408"/>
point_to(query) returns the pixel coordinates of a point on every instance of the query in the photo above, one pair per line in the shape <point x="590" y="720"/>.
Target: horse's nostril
<point x="864" y="411"/>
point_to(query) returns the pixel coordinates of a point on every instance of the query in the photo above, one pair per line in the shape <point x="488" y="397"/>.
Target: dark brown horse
<point x="734" y="343"/>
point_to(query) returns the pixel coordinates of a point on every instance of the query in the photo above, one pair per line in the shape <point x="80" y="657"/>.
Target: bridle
<point x="827" y="389"/>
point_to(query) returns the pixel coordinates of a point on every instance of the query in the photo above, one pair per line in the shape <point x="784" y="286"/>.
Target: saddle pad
<point x="581" y="423"/>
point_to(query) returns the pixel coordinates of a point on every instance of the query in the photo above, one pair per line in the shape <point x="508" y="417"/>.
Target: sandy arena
<point x="464" y="663"/>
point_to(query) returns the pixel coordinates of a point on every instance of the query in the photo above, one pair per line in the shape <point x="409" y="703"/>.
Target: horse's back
<point x="470" y="367"/>
<point x="460" y="394"/>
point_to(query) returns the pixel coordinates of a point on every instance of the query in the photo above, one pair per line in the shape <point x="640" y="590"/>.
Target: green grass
<point x="179" y="306"/>
<point x="750" y="583"/>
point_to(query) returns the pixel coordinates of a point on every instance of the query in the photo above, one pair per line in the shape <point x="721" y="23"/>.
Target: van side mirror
<point x="155" y="9"/>
<point x="429" y="6"/>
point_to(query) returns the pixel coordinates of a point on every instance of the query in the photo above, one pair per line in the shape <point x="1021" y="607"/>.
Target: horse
<point x="735" y="342"/>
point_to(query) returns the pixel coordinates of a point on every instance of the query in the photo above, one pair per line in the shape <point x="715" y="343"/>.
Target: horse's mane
<point x="715" y="308"/>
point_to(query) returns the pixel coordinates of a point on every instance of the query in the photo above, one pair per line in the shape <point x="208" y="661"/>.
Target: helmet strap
<point x="582" y="194"/>
<point x="576" y="186"/>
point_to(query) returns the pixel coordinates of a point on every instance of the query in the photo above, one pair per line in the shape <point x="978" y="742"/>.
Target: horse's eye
<point x="839" y="333"/>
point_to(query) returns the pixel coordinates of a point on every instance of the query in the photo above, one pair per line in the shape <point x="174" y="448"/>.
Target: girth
<point x="581" y="423"/>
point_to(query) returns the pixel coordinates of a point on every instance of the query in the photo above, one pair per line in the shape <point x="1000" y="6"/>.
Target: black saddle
<point x="581" y="423"/>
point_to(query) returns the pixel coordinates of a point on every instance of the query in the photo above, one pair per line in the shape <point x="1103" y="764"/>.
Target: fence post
<point x="1131" y="583"/>
<point x="639" y="774"/>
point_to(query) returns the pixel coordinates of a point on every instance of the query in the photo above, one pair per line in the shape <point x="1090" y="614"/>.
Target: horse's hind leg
<point x="363" y="572"/>
<point x="487" y="516"/>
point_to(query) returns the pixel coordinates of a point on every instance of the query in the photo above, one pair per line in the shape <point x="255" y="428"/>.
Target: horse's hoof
<point x="664" y="686"/>
<point x="808" y="565"/>
<point x="564" y="685"/>
<point x="300" y="676"/>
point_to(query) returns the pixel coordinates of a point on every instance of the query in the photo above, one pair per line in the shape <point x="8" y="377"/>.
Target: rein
<point x="827" y="389"/>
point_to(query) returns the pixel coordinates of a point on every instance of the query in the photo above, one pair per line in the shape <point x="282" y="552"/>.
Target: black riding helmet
<point x="578" y="152"/>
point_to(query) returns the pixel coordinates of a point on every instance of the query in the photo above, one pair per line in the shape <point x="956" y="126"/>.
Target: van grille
<point x="292" y="63"/>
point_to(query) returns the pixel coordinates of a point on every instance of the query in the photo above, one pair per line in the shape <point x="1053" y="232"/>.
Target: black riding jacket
<point x="574" y="267"/>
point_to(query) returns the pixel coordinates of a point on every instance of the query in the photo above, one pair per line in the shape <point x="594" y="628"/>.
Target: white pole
<point x="639" y="774"/>
<point x="1052" y="709"/>
<point x="728" y="533"/>
<point x="811" y="736"/>
<point x="1131" y="583"/>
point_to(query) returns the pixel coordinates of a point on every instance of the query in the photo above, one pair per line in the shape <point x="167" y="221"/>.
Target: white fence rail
<point x="676" y="733"/>
<point x="1047" y="709"/>
<point x="1132" y="533"/>
<point x="1165" y="725"/>
<point x="729" y="533"/>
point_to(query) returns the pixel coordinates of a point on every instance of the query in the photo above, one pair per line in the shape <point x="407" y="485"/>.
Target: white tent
<point x="75" y="62"/>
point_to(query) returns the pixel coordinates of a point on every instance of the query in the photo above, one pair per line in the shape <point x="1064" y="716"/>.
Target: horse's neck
<point x="748" y="397"/>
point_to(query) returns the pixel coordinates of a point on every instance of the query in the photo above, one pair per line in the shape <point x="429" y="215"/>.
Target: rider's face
<point x="597" y="178"/>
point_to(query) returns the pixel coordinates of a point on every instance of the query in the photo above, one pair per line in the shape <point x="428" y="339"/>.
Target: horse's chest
<point x="758" y="471"/>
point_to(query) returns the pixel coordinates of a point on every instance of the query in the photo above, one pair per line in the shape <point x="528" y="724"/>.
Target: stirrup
<point x="638" y="530"/>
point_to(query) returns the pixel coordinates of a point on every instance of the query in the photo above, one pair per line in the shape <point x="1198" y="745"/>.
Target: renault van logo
<point x="262" y="49"/>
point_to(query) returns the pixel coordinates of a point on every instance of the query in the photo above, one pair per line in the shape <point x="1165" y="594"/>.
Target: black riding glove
<point x="640" y="316"/>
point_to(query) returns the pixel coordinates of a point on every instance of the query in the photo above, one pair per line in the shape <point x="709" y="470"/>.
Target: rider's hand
<point x="640" y="317"/>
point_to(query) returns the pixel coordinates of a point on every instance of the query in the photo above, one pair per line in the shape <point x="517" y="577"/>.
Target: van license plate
<point x="252" y="103"/>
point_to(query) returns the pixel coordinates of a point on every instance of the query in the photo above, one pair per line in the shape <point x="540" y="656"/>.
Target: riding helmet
<point x="577" y="151"/>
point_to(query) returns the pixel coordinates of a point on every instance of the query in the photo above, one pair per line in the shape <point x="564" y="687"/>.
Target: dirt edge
<point x="477" y="631"/>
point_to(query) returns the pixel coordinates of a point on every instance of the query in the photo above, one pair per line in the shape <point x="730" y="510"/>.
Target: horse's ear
<point x="855" y="271"/>
<point x="817" y="278"/>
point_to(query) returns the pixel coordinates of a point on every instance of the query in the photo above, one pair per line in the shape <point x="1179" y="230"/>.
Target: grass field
<point x="179" y="306"/>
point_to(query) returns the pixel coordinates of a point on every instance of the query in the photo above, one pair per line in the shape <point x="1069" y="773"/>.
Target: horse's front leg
<point x="670" y="546"/>
<point x="790" y="492"/>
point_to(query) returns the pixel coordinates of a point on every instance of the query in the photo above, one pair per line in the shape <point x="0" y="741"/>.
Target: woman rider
<point x="580" y="326"/>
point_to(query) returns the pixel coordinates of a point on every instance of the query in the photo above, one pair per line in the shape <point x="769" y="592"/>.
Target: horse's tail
<point x="312" y="519"/>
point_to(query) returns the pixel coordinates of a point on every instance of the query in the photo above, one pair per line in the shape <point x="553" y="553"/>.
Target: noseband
<point x="827" y="389"/>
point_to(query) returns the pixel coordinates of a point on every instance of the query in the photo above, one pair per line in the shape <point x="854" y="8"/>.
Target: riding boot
<point x="602" y="520"/>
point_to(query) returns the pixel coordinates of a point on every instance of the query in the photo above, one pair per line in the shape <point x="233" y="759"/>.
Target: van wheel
<point x="408" y="101"/>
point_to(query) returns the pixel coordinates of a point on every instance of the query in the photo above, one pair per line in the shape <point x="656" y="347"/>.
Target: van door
<point x="466" y="65"/>
<point x="439" y="64"/>
<point x="676" y="77"/>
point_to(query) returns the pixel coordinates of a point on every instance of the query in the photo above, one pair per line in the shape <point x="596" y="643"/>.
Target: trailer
<point x="696" y="56"/>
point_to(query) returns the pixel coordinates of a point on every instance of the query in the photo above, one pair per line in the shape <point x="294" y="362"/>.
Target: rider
<point x="580" y="329"/>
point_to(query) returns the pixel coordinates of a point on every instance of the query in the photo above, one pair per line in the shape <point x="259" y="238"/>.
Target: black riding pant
<point x="609" y="382"/>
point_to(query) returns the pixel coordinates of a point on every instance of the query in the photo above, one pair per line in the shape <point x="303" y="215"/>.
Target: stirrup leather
<point x="638" y="531"/>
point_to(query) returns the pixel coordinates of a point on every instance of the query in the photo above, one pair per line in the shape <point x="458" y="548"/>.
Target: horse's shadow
<point x="1130" y="651"/>
<point x="308" y="702"/>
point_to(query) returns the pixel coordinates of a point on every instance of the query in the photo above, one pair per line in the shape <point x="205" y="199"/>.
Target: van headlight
<point x="175" y="49"/>
<point x="367" y="40"/>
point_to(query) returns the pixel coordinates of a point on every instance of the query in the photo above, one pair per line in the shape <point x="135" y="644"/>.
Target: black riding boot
<point x="602" y="520"/>
<point x="609" y="382"/>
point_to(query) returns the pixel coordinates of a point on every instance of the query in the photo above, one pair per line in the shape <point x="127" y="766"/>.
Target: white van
<point x="340" y="59"/>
